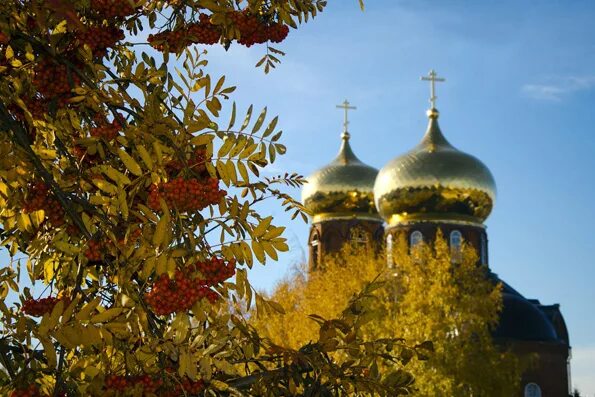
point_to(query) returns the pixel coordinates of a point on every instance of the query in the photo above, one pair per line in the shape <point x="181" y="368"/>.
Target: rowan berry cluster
<point x="196" y="162"/>
<point x="202" y="32"/>
<point x="253" y="30"/>
<point x="187" y="387"/>
<point x="106" y="130"/>
<point x="278" y="32"/>
<point x="100" y="38"/>
<point x="169" y="40"/>
<point x="3" y="38"/>
<point x="178" y="294"/>
<point x="52" y="80"/>
<point x="186" y="194"/>
<point x="214" y="270"/>
<point x="31" y="391"/>
<point x="38" y="198"/>
<point x="80" y="152"/>
<point x="149" y="385"/>
<point x="110" y="9"/>
<point x="152" y="385"/>
<point x="132" y="237"/>
<point x="39" y="307"/>
<point x="95" y="250"/>
<point x="35" y="105"/>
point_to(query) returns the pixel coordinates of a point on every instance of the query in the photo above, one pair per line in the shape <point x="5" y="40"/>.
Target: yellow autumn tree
<point x="425" y="296"/>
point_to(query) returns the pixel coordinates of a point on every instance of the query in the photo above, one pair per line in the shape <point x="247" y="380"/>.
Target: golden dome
<point x="342" y="189"/>
<point x="435" y="181"/>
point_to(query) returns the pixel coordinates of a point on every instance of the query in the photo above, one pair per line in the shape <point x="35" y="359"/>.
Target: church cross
<point x="345" y="106"/>
<point x="433" y="78"/>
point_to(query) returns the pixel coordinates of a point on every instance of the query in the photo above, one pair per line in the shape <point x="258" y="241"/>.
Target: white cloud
<point x="558" y="88"/>
<point x="583" y="369"/>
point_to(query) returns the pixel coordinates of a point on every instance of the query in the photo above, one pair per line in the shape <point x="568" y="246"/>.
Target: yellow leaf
<point x="116" y="176"/>
<point x="55" y="316"/>
<point x="145" y="156"/>
<point x="122" y="203"/>
<point x="160" y="230"/>
<point x="262" y="227"/>
<point x="24" y="222"/>
<point x="73" y="335"/>
<point x="85" y="312"/>
<point x="226" y="147"/>
<point x="202" y="139"/>
<point x="107" y="315"/>
<point x="50" y="352"/>
<point x="260" y="120"/>
<point x="37" y="217"/>
<point x="217" y="384"/>
<point x="184" y="361"/>
<point x="65" y="247"/>
<point x="76" y="99"/>
<point x="130" y="163"/>
<point x="258" y="251"/>
<point x="273" y="232"/>
<point x="231" y="172"/>
<point x="270" y="250"/>
<point x="161" y="267"/>
<point x="9" y="53"/>
<point x="243" y="172"/>
<point x="69" y="310"/>
<point x="148" y="268"/>
<point x="247" y="252"/>
<point x="105" y="186"/>
<point x="222" y="171"/>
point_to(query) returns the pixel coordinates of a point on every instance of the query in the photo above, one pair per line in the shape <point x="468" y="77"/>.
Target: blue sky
<point x="520" y="95"/>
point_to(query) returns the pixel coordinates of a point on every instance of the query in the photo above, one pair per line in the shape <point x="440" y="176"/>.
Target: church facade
<point x="432" y="187"/>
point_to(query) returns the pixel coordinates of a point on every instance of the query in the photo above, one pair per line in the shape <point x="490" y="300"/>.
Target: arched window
<point x="415" y="238"/>
<point x="314" y="250"/>
<point x="456" y="242"/>
<point x="415" y="242"/>
<point x="532" y="390"/>
<point x="389" y="251"/>
<point x="483" y="250"/>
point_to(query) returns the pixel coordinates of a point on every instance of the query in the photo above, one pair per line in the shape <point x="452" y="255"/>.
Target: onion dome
<point x="435" y="181"/>
<point x="341" y="189"/>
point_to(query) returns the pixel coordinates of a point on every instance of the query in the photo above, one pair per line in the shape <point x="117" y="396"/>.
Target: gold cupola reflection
<point x="434" y="182"/>
<point x="342" y="189"/>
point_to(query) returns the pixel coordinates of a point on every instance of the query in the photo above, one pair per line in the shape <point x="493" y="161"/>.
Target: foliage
<point x="424" y="297"/>
<point x="129" y="208"/>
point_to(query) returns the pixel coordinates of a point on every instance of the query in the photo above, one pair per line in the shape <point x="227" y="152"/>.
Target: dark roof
<point x="554" y="314"/>
<point x="528" y="319"/>
<point x="523" y="320"/>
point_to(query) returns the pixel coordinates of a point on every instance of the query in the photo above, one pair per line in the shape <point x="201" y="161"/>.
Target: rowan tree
<point x="425" y="296"/>
<point x="131" y="207"/>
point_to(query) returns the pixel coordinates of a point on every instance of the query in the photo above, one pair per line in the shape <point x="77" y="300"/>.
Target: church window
<point x="315" y="249"/>
<point x="483" y="249"/>
<point x="415" y="242"/>
<point x="532" y="390"/>
<point x="416" y="238"/>
<point x="389" y="251"/>
<point x="456" y="242"/>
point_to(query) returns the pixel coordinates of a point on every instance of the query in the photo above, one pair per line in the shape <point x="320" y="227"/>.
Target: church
<point x="434" y="186"/>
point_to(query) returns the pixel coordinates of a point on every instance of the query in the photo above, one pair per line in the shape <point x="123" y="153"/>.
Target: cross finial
<point x="345" y="106"/>
<point x="433" y="78"/>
